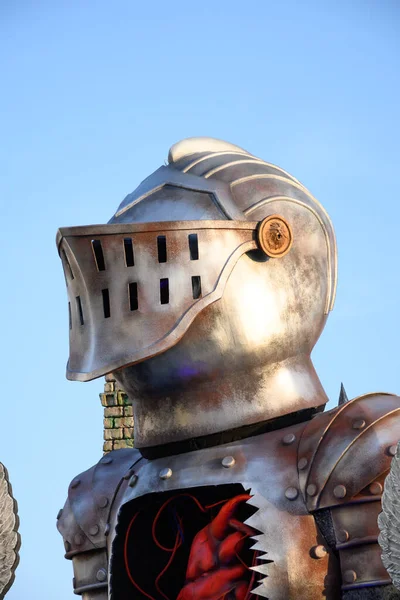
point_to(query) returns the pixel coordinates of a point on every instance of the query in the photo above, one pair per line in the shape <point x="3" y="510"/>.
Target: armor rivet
<point x="291" y="493"/>
<point x="318" y="552"/>
<point x="392" y="450"/>
<point x="132" y="480"/>
<point x="102" y="501"/>
<point x="75" y="483"/>
<point x="107" y="460"/>
<point x="349" y="576"/>
<point x="359" y="424"/>
<point x="165" y="473"/>
<point x="129" y="474"/>
<point x="376" y="488"/>
<point x="303" y="462"/>
<point x="101" y="575"/>
<point x="275" y="236"/>
<point x="60" y="512"/>
<point x="311" y="489"/>
<point x="94" y="530"/>
<point x="228" y="462"/>
<point x="289" y="439"/>
<point x="107" y="529"/>
<point x="342" y="536"/>
<point x="78" y="539"/>
<point x="340" y="491"/>
<point x="67" y="546"/>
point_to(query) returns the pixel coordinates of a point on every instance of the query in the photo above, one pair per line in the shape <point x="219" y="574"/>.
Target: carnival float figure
<point x="204" y="296"/>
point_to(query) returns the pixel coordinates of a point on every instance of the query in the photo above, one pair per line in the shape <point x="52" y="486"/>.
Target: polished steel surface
<point x="134" y="328"/>
<point x="172" y="326"/>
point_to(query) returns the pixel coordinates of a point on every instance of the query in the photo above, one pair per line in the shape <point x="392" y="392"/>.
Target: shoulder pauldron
<point x="344" y="457"/>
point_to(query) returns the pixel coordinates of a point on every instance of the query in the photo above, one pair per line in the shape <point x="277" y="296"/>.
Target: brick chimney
<point x="118" y="417"/>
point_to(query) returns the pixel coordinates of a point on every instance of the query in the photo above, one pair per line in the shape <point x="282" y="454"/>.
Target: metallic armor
<point x="204" y="295"/>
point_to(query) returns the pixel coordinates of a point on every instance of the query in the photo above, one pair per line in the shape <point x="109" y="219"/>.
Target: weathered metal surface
<point x="138" y="322"/>
<point x="267" y="466"/>
<point x="83" y="520"/>
<point x="389" y="522"/>
<point x="356" y="532"/>
<point x="347" y="449"/>
<point x="271" y="466"/>
<point x="10" y="540"/>
<point x="245" y="319"/>
<point x="207" y="334"/>
<point x="91" y="574"/>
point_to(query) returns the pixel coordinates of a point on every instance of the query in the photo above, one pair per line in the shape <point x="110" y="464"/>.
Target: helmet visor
<point x="134" y="289"/>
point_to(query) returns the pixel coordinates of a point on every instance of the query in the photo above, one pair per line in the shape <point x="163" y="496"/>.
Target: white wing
<point x="389" y="521"/>
<point x="9" y="537"/>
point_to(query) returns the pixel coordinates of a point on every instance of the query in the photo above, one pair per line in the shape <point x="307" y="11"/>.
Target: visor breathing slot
<point x="98" y="255"/>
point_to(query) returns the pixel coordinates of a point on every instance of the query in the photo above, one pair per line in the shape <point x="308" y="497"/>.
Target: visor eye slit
<point x="193" y="246"/>
<point x="164" y="291"/>
<point x="106" y="303"/>
<point x="129" y="256"/>
<point x="69" y="315"/>
<point x="162" y="248"/>
<point x="98" y="255"/>
<point x="196" y="287"/>
<point x="80" y="311"/>
<point x="133" y="296"/>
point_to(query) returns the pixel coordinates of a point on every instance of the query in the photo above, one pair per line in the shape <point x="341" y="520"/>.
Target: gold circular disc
<point x="275" y="236"/>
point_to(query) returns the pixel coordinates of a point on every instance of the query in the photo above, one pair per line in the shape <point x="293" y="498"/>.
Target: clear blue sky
<point x="93" y="94"/>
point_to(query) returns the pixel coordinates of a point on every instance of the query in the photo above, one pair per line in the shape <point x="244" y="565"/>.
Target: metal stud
<point x="228" y="462"/>
<point x="165" y="473"/>
<point x="392" y="450"/>
<point x="340" y="491"/>
<point x="342" y="536"/>
<point x="129" y="473"/>
<point x="107" y="460"/>
<point x="349" y="576"/>
<point x="319" y="551"/>
<point x="291" y="493"/>
<point x="75" y="483"/>
<point x="94" y="530"/>
<point x="359" y="424"/>
<point x="303" y="462"/>
<point x="101" y="575"/>
<point x="133" y="480"/>
<point x="376" y="488"/>
<point x="60" y="512"/>
<point x="102" y="502"/>
<point x="311" y="489"/>
<point x="288" y="439"/>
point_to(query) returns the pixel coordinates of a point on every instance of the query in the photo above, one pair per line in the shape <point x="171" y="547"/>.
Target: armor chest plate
<point x="267" y="467"/>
